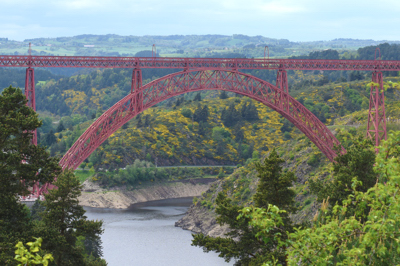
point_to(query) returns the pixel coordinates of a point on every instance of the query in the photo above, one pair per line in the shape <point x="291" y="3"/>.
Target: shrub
<point x="314" y="160"/>
<point x="186" y="112"/>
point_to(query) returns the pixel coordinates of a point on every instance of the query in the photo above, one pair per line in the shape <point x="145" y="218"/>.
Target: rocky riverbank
<point x="201" y="220"/>
<point x="120" y="198"/>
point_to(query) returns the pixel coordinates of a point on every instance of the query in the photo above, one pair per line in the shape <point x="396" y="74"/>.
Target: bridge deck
<point x="196" y="63"/>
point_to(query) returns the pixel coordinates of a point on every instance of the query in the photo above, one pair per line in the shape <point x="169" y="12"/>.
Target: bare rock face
<point x="201" y="220"/>
<point x="120" y="198"/>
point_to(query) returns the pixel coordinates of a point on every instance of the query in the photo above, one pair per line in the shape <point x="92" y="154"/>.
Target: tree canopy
<point x="243" y="241"/>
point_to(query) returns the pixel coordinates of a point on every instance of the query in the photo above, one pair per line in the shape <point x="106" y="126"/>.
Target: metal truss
<point x="376" y="128"/>
<point x="30" y="95"/>
<point x="142" y="98"/>
<point x="196" y="63"/>
<point x="206" y="74"/>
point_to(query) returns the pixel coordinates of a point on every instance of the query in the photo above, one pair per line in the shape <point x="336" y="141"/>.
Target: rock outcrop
<point x="201" y="220"/>
<point x="120" y="198"/>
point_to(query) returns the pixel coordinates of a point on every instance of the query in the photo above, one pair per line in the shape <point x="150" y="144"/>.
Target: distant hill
<point x="177" y="45"/>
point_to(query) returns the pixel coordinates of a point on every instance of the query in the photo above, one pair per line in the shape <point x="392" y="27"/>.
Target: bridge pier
<point x="137" y="91"/>
<point x="30" y="96"/>
<point x="282" y="83"/>
<point x="376" y="129"/>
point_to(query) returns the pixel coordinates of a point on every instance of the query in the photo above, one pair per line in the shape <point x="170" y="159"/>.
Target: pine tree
<point x="358" y="163"/>
<point x="204" y="113"/>
<point x="197" y="97"/>
<point x="201" y="114"/>
<point x="21" y="165"/>
<point x="139" y="121"/>
<point x="64" y="221"/>
<point x="242" y="242"/>
<point x="249" y="112"/>
<point x="50" y="138"/>
<point x="238" y="132"/>
<point x="230" y="116"/>
<point x="223" y="95"/>
<point x="60" y="127"/>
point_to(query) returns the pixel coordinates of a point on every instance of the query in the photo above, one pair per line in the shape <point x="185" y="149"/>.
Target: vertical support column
<point x="30" y="95"/>
<point x="136" y="90"/>
<point x="281" y="80"/>
<point x="376" y="129"/>
<point x="282" y="83"/>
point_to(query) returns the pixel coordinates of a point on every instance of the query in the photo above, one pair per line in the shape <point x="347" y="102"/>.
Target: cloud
<point x="289" y="19"/>
<point x="273" y="7"/>
<point x="84" y="4"/>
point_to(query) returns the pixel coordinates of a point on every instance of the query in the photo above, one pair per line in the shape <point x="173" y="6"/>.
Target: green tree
<point x="244" y="242"/>
<point x="186" y="112"/>
<point x="60" y="127"/>
<point x="28" y="257"/>
<point x="64" y="221"/>
<point x="230" y="116"/>
<point x="21" y="165"/>
<point x="201" y="114"/>
<point x="197" y="97"/>
<point x="358" y="163"/>
<point x="238" y="132"/>
<point x="50" y="138"/>
<point x="338" y="237"/>
<point x="249" y="112"/>
<point x="341" y="238"/>
<point x="223" y="95"/>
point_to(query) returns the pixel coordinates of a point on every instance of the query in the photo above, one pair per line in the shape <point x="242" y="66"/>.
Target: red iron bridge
<point x="196" y="74"/>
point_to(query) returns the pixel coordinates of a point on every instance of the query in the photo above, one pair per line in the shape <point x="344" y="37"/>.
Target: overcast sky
<point x="296" y="20"/>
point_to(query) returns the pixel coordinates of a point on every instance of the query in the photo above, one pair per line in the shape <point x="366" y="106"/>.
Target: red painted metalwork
<point x="137" y="91"/>
<point x="283" y="103"/>
<point x="282" y="81"/>
<point x="153" y="51"/>
<point x="266" y="47"/>
<point x="195" y="80"/>
<point x="282" y="84"/>
<point x="377" y="49"/>
<point x="30" y="95"/>
<point x="196" y="63"/>
<point x="376" y="128"/>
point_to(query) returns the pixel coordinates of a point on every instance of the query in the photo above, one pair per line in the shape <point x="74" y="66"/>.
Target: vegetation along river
<point x="144" y="234"/>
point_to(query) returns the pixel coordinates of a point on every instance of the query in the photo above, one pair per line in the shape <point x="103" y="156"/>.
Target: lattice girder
<point x="195" y="80"/>
<point x="376" y="128"/>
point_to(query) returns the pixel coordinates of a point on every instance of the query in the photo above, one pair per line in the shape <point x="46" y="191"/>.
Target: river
<point x="144" y="234"/>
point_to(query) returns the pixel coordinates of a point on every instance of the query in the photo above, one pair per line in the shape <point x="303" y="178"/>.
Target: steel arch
<point x="196" y="80"/>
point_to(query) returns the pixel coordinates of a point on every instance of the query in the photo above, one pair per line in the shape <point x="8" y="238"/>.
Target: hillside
<point x="176" y="132"/>
<point x="301" y="157"/>
<point x="236" y="45"/>
<point x="207" y="128"/>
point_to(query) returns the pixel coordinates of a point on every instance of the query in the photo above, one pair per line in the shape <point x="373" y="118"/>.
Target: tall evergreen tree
<point x="249" y="112"/>
<point x="358" y="162"/>
<point x="242" y="242"/>
<point x="223" y="95"/>
<point x="64" y="221"/>
<point x="201" y="114"/>
<point x="230" y="116"/>
<point x="197" y="97"/>
<point x="60" y="127"/>
<point x="50" y="138"/>
<point x="21" y="165"/>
